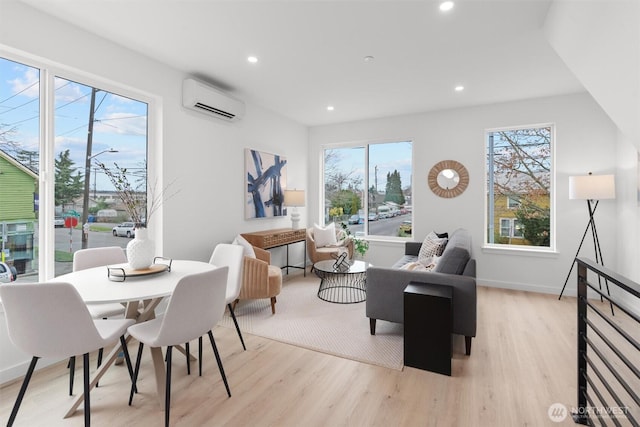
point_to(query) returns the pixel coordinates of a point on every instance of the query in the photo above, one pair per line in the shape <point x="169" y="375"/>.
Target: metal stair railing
<point x="608" y="349"/>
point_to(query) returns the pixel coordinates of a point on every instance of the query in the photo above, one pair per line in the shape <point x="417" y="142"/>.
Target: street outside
<point x="382" y="227"/>
<point x="67" y="242"/>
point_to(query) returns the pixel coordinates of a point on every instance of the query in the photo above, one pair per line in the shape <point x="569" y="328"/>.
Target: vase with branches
<point x="140" y="205"/>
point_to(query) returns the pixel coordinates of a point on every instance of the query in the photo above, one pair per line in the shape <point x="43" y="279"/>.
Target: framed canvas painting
<point x="266" y="180"/>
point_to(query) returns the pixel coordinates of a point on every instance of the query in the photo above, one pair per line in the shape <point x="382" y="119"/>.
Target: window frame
<point x="366" y="184"/>
<point x="500" y="247"/>
<point x="49" y="70"/>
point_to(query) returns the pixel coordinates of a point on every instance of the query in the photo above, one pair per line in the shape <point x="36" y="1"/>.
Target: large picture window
<point x="91" y="126"/>
<point x="519" y="186"/>
<point x="367" y="187"/>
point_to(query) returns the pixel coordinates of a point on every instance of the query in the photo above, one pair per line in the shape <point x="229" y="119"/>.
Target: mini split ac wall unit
<point x="211" y="101"/>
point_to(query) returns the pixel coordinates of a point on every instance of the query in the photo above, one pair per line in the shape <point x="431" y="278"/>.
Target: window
<point x="513" y="203"/>
<point x="19" y="165"/>
<point x="367" y="188"/>
<point x="519" y="186"/>
<point x="510" y="227"/>
<point x="91" y="126"/>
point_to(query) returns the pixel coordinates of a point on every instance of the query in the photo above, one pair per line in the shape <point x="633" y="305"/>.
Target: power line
<point x="18" y="93"/>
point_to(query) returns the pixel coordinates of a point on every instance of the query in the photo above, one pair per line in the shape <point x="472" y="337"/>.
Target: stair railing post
<point x="582" y="416"/>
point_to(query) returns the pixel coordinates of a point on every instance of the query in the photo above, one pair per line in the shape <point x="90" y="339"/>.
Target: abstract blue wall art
<point x="266" y="180"/>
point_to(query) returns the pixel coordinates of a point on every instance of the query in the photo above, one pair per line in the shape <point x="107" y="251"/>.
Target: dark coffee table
<point x="345" y="285"/>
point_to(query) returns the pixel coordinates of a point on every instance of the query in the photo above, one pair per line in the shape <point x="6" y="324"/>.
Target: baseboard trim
<point x="17" y="372"/>
<point x="528" y="287"/>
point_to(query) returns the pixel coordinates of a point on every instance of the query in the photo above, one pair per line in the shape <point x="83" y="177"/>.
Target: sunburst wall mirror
<point x="448" y="179"/>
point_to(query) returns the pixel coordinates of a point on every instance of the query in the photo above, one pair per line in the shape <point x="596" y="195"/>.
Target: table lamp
<point x="294" y="198"/>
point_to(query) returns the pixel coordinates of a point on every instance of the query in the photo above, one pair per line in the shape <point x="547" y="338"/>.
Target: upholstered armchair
<point x="317" y="253"/>
<point x="260" y="279"/>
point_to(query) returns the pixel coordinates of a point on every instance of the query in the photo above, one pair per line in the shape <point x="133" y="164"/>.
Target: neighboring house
<point x="17" y="213"/>
<point x="506" y="224"/>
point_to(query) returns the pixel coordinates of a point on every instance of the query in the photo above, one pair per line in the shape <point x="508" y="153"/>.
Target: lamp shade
<point x="294" y="197"/>
<point x="592" y="187"/>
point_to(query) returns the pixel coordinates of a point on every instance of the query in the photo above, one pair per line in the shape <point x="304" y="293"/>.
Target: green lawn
<point x="63" y="256"/>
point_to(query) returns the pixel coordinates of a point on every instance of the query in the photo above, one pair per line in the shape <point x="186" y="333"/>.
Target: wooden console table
<point x="269" y="239"/>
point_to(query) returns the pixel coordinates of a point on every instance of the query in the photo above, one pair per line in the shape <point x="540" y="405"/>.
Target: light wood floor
<point x="522" y="361"/>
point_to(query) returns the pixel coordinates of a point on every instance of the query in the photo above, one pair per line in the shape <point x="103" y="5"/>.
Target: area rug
<point x="304" y="320"/>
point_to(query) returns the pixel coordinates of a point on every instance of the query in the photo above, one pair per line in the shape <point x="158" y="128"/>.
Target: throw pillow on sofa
<point x="325" y="236"/>
<point x="431" y="246"/>
<point x="248" y="248"/>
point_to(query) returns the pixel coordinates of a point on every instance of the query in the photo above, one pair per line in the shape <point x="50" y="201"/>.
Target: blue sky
<point x="120" y="123"/>
<point x="386" y="156"/>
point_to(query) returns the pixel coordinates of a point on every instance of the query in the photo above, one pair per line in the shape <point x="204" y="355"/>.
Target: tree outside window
<point x="519" y="186"/>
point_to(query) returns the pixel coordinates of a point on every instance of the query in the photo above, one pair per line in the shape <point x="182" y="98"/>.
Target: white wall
<point x="600" y="43"/>
<point x="585" y="141"/>
<point x="204" y="157"/>
<point x="628" y="203"/>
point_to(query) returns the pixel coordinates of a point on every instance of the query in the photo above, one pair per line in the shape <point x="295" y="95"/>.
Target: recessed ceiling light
<point x="330" y="108"/>
<point x="252" y="59"/>
<point x="459" y="88"/>
<point x="446" y="6"/>
<point x="369" y="58"/>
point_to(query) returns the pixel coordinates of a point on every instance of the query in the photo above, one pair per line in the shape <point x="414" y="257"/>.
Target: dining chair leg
<point x="72" y="371"/>
<point x="167" y="395"/>
<point x="22" y="391"/>
<point x="200" y="356"/>
<point x="135" y="373"/>
<point x="215" y="351"/>
<point x="99" y="362"/>
<point x="87" y="403"/>
<point x="127" y="359"/>
<point x="235" y="322"/>
<point x="186" y="349"/>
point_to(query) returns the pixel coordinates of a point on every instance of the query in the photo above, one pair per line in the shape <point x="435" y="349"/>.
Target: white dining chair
<point x="51" y="320"/>
<point x="231" y="256"/>
<point x="196" y="304"/>
<point x="97" y="257"/>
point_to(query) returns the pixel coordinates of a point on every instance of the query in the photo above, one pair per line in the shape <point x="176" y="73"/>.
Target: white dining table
<point x="96" y="286"/>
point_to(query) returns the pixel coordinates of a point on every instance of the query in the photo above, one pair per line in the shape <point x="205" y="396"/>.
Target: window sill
<point x="515" y="251"/>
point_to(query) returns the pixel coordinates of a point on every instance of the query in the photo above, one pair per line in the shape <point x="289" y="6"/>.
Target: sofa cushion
<point x="405" y="260"/>
<point x="461" y="239"/>
<point x="456" y="254"/>
<point x="453" y="261"/>
<point x="432" y="246"/>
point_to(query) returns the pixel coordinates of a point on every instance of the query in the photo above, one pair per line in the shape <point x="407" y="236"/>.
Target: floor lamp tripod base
<point x="596" y="244"/>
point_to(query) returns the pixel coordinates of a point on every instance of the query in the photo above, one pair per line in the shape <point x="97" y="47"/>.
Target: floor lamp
<point x="591" y="188"/>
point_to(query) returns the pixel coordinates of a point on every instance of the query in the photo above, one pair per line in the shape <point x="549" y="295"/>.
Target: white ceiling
<point x="311" y="53"/>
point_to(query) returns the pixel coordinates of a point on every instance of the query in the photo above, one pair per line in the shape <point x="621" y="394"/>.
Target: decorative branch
<point x="137" y="203"/>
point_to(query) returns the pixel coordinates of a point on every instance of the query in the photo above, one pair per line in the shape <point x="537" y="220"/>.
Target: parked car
<point x="58" y="222"/>
<point x="354" y="219"/>
<point x="373" y="217"/>
<point x="8" y="273"/>
<point x="126" y="229"/>
<point x="406" y="227"/>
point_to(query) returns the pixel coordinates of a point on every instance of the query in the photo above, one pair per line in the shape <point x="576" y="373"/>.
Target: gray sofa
<point x="456" y="268"/>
